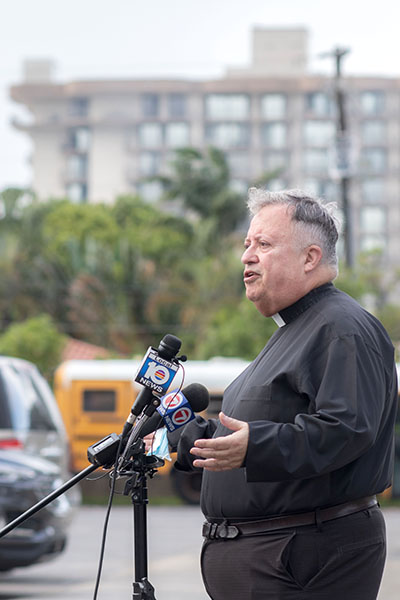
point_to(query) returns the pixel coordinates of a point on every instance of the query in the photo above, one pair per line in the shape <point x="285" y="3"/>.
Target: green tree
<point x="200" y="182"/>
<point x="12" y="204"/>
<point x="123" y="275"/>
<point x="389" y="315"/>
<point x="94" y="269"/>
<point x="351" y="282"/>
<point x="37" y="340"/>
<point x="368" y="281"/>
<point x="237" y="330"/>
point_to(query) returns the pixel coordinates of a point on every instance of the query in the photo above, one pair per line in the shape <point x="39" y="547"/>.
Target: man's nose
<point x="249" y="256"/>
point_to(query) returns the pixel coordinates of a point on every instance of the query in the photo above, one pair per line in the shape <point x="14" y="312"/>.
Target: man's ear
<point x="313" y="257"/>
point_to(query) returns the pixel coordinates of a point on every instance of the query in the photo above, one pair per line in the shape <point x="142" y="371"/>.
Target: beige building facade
<point x="95" y="140"/>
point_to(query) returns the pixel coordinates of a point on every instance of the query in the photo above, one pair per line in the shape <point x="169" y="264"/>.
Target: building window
<point x="150" y="190"/>
<point x="150" y="135"/>
<point x="150" y="105"/>
<point x="78" y="139"/>
<point x="373" y="242"/>
<point x="319" y="104"/>
<point x="372" y="102"/>
<point x="318" y="133"/>
<point x="77" y="166"/>
<point x="239" y="185"/>
<point x="176" y="105"/>
<point x="273" y="106"/>
<point x="373" y="160"/>
<point x="274" y="160"/>
<point x="373" y="219"/>
<point x="78" y="107"/>
<point x="373" y="228"/>
<point x="373" y="132"/>
<point x="274" y="135"/>
<point x="227" y="106"/>
<point x="322" y="188"/>
<point x="227" y="135"/>
<point x="177" y="135"/>
<point x="149" y="163"/>
<point x="77" y="192"/>
<point x="239" y="164"/>
<point x="316" y="161"/>
<point x="372" y="190"/>
<point x="276" y="185"/>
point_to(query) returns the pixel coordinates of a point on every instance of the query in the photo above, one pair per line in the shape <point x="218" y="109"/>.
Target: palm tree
<point x="200" y="182"/>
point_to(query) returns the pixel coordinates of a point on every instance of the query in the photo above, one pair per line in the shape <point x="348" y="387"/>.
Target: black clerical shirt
<point x="321" y="401"/>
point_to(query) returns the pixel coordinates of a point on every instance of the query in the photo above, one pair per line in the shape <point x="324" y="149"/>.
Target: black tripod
<point x="136" y="466"/>
<point x="136" y="487"/>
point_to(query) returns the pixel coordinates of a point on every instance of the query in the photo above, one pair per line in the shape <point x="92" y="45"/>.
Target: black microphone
<point x="198" y="398"/>
<point x="155" y="373"/>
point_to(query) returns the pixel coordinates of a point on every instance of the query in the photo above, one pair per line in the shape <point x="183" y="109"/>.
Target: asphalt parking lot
<point x="174" y="544"/>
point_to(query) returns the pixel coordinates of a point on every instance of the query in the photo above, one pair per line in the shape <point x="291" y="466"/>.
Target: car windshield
<point x="23" y="407"/>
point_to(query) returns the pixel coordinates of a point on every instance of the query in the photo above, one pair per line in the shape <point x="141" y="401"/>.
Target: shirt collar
<point x="290" y="313"/>
<point x="278" y="320"/>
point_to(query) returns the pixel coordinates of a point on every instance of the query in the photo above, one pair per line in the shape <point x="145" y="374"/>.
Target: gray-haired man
<point x="305" y="438"/>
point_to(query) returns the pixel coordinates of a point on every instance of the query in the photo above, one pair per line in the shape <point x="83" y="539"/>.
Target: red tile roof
<point x="76" y="349"/>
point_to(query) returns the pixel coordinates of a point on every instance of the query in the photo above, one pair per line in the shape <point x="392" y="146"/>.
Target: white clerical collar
<point x="278" y="320"/>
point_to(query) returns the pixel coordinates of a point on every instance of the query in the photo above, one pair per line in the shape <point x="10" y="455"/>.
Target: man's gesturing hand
<point x="223" y="453"/>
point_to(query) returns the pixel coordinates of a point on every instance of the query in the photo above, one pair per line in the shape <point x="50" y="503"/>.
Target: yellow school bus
<point x="95" y="398"/>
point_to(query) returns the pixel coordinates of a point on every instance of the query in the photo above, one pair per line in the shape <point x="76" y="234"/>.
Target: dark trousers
<point x="341" y="559"/>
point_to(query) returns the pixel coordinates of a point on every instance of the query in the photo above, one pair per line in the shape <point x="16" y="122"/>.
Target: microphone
<point x="193" y="398"/>
<point x="156" y="372"/>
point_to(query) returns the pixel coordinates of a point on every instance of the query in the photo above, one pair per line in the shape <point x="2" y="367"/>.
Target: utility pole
<point x="342" y="154"/>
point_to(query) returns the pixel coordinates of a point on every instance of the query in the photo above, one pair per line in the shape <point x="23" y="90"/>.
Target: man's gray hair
<point x="316" y="220"/>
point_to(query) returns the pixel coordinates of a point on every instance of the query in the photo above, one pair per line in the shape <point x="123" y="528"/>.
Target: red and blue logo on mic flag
<point x="156" y="373"/>
<point x="175" y="410"/>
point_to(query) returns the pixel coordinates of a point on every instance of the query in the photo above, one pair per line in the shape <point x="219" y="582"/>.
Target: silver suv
<point x="29" y="416"/>
<point x="34" y="460"/>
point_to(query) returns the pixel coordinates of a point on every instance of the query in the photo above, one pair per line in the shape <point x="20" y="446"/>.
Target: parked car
<point x="29" y="416"/>
<point x="34" y="460"/>
<point x="24" y="480"/>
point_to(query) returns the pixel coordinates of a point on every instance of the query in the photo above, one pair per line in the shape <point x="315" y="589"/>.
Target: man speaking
<point x="305" y="438"/>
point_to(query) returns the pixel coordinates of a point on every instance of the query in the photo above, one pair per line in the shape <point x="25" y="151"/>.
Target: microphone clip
<point x="182" y="358"/>
<point x="136" y="467"/>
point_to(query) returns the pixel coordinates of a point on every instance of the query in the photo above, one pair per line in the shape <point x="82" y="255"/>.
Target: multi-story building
<point x="94" y="140"/>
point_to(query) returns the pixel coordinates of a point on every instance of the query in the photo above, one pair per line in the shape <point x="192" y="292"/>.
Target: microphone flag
<point x="156" y="373"/>
<point x="175" y="410"/>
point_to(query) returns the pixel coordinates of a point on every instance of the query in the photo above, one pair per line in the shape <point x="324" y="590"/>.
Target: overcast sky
<point x="190" y="38"/>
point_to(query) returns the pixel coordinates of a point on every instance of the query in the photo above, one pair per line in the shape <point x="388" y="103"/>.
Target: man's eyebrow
<point x="261" y="236"/>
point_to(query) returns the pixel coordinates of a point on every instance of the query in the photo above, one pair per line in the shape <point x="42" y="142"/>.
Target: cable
<point x="106" y="520"/>
<point x="99" y="477"/>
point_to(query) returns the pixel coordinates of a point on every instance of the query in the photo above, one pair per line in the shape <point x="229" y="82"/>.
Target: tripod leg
<point x="142" y="588"/>
<point x="140" y="540"/>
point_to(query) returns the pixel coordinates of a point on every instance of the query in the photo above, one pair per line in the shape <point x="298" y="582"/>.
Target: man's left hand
<point x="226" y="452"/>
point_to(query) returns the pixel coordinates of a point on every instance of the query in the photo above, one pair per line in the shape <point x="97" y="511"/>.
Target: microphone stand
<point x="137" y="468"/>
<point x="49" y="498"/>
<point x="135" y="465"/>
<point x="136" y="487"/>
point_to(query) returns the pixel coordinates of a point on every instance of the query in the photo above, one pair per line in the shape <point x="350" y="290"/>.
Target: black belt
<point x="225" y="530"/>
